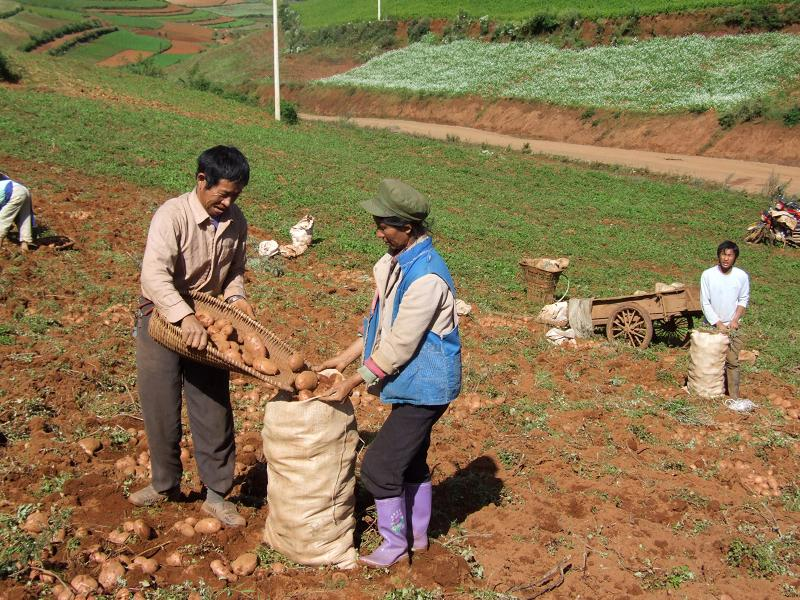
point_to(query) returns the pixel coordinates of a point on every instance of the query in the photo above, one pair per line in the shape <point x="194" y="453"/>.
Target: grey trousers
<point x="161" y="376"/>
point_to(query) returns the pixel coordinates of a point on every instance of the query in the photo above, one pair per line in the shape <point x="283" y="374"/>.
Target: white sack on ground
<point x="707" y="363"/>
<point x="303" y="231"/>
<point x="579" y="312"/>
<point x="558" y="336"/>
<point x="553" y="314"/>
<point x="310" y="449"/>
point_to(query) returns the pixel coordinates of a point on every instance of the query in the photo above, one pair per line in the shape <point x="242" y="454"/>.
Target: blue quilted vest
<point x="7" y="187"/>
<point x="433" y="374"/>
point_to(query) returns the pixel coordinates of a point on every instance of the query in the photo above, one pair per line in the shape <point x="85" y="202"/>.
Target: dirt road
<point x="748" y="176"/>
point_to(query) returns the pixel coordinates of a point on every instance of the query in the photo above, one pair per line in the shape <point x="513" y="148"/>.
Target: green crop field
<point x="165" y="60"/>
<point x="136" y="22"/>
<point x="234" y="24"/>
<point x="115" y="42"/>
<point x="659" y="75"/>
<point x="245" y="9"/>
<point x="319" y="13"/>
<point x="84" y="4"/>
<point x="490" y="208"/>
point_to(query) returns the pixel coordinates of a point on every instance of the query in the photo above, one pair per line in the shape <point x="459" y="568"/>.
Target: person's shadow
<point x="466" y="491"/>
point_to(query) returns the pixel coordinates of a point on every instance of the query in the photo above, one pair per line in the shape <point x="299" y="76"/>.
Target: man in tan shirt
<point x="196" y="242"/>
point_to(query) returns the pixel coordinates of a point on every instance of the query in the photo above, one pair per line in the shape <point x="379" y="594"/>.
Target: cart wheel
<point x="674" y="331"/>
<point x="629" y="323"/>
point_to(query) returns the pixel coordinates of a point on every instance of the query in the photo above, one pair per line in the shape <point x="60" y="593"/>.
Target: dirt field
<point x="699" y="135"/>
<point x="126" y="57"/>
<point x="592" y="458"/>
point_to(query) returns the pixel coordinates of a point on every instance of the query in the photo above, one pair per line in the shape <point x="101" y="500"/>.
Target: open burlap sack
<point x="707" y="363"/>
<point x="310" y="449"/>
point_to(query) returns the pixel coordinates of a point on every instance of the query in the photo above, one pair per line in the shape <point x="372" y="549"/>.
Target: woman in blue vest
<point x="412" y="351"/>
<point x="16" y="207"/>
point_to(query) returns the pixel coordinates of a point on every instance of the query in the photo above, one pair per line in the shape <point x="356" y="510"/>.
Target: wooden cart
<point x="635" y="319"/>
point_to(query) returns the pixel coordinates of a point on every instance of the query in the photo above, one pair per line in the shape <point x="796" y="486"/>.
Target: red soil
<point x="126" y="57"/>
<point x="549" y="455"/>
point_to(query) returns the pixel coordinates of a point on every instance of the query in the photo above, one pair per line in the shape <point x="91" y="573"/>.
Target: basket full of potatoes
<point x="236" y="343"/>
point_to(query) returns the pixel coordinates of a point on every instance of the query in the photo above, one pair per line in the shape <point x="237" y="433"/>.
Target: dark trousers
<point x="399" y="453"/>
<point x="161" y="376"/>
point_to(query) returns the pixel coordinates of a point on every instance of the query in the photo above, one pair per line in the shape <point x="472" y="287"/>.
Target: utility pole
<point x="276" y="66"/>
<point x="379" y="10"/>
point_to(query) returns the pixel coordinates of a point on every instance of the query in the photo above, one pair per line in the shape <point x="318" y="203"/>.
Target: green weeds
<point x="672" y="579"/>
<point x="19" y="549"/>
<point x="413" y="593"/>
<point x="765" y="558"/>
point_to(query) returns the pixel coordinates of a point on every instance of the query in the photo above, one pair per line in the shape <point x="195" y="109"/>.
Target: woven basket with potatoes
<point x="236" y="342"/>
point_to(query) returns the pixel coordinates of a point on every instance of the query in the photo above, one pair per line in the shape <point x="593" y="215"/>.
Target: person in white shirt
<point x="724" y="295"/>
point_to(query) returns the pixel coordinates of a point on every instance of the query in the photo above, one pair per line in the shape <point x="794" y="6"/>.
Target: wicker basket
<point x="169" y="336"/>
<point x="541" y="277"/>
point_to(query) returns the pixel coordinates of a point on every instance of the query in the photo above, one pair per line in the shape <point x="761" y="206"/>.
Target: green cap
<point x="398" y="199"/>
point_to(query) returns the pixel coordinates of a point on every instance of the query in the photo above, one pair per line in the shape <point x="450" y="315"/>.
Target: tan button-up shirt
<point x="184" y="252"/>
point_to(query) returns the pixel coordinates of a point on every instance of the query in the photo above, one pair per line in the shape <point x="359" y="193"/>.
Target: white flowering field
<point x="659" y="75"/>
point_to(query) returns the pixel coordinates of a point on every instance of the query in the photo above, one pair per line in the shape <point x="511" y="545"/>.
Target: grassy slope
<point x="622" y="233"/>
<point x="318" y="13"/>
<point x="231" y="65"/>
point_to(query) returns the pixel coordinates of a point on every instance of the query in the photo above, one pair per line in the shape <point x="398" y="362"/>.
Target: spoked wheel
<point x="674" y="331"/>
<point x="630" y="324"/>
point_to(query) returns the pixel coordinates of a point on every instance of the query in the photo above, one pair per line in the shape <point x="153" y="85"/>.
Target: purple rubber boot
<point x="419" y="499"/>
<point x="392" y="526"/>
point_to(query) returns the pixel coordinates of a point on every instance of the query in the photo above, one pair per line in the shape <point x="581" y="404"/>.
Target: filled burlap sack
<point x="310" y="449"/>
<point x="707" y="363"/>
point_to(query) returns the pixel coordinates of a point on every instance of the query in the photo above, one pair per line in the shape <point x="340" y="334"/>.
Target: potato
<point x="83" y="584"/>
<point x="220" y="570"/>
<point x="255" y="346"/>
<point x="307" y="380"/>
<point x="118" y="537"/>
<point x="266" y="366"/>
<point x="232" y="356"/>
<point x="174" y="559"/>
<point x="208" y="525"/>
<point x="247" y="358"/>
<point x="304" y="395"/>
<point x="245" y="564"/>
<point x="191" y="521"/>
<point x="110" y="574"/>
<point x="185" y="530"/>
<point x="147" y="565"/>
<point x="297" y="362"/>
<point x="142" y="529"/>
<point x="224" y="326"/>
<point x="206" y="320"/>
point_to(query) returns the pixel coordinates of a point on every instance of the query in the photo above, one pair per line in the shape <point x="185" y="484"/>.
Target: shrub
<point x="792" y="116"/>
<point x="10" y="13"/>
<point x="417" y="29"/>
<point x="147" y="67"/>
<point x="537" y="25"/>
<point x="8" y="72"/>
<point x="54" y="34"/>
<point x="289" y="113"/>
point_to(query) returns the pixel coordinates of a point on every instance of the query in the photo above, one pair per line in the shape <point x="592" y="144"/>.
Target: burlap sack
<point x="707" y="363"/>
<point x="310" y="449"/>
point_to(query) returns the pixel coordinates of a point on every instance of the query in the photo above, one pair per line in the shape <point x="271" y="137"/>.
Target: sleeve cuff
<point x="369" y="377"/>
<point x="175" y="313"/>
